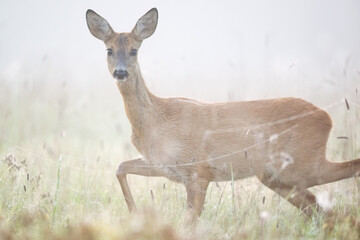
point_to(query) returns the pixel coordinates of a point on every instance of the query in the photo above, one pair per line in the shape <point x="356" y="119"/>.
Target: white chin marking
<point x="120" y="80"/>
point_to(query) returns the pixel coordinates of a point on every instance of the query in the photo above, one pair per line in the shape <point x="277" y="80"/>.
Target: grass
<point x="59" y="151"/>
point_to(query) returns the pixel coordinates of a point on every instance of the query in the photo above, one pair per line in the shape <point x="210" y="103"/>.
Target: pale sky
<point x="208" y="50"/>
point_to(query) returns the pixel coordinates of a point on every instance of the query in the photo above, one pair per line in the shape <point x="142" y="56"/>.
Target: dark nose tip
<point x="120" y="74"/>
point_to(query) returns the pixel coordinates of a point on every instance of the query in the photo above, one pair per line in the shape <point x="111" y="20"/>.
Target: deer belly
<point x="231" y="168"/>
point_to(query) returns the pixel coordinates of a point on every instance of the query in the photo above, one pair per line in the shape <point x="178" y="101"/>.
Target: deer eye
<point x="109" y="51"/>
<point x="133" y="52"/>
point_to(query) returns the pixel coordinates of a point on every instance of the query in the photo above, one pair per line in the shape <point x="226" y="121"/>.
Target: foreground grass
<point x="31" y="210"/>
<point x="58" y="155"/>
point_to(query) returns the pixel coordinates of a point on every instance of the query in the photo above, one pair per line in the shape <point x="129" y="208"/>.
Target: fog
<point x="64" y="130"/>
<point x="208" y="50"/>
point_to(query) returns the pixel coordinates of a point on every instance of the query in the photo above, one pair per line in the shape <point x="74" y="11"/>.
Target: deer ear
<point x="146" y="25"/>
<point x="98" y="26"/>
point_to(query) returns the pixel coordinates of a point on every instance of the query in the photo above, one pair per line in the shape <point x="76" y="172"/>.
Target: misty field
<point x="59" y="150"/>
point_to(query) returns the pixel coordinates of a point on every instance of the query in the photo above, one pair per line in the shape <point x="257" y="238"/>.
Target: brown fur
<point x="281" y="141"/>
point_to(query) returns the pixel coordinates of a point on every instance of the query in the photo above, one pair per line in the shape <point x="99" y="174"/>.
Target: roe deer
<point x="280" y="141"/>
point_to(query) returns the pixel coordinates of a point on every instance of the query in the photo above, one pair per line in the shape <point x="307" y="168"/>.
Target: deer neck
<point x="139" y="102"/>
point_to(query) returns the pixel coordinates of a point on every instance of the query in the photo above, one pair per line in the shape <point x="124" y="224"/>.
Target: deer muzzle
<point x="121" y="74"/>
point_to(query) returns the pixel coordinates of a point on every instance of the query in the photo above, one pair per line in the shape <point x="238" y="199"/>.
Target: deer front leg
<point x="137" y="167"/>
<point x="196" y="193"/>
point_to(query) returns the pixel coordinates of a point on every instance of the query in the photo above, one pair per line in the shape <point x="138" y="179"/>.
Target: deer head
<point x="122" y="48"/>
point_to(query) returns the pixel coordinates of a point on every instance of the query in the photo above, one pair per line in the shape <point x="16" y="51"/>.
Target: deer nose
<point x="120" y="74"/>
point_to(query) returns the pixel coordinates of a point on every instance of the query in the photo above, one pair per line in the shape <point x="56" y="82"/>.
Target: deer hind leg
<point x="137" y="167"/>
<point x="302" y="199"/>
<point x="335" y="171"/>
